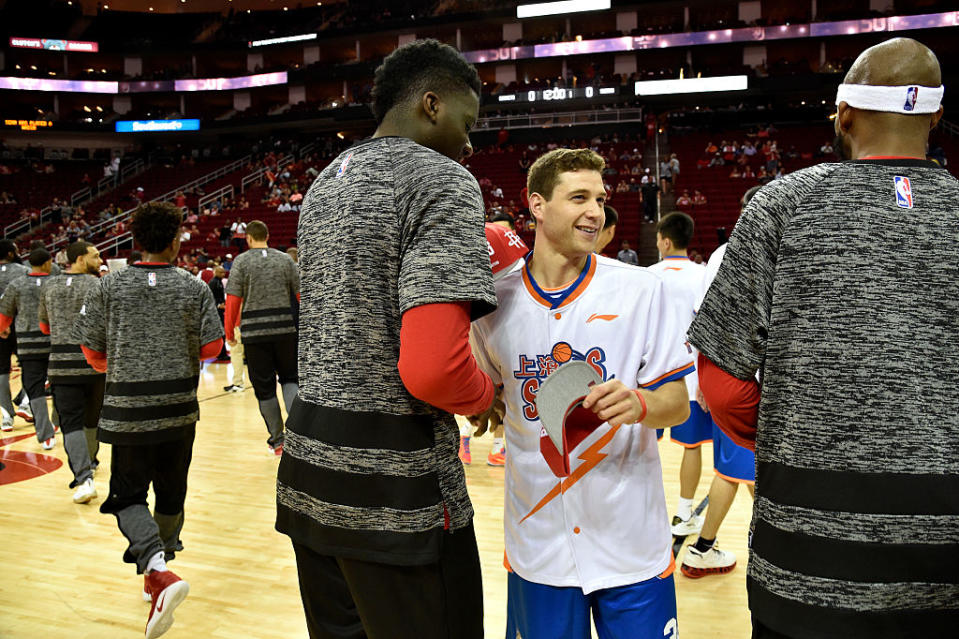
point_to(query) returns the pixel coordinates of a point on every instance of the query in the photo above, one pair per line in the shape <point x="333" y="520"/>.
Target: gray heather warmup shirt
<point x="368" y="471"/>
<point x="9" y="272"/>
<point x="841" y="284"/>
<point x="59" y="307"/>
<point x="151" y="320"/>
<point x="266" y="279"/>
<point x="20" y="300"/>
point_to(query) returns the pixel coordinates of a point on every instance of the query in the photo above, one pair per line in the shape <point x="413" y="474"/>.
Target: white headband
<point x="907" y="100"/>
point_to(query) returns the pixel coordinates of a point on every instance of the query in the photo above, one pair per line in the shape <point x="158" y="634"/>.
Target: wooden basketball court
<point x="61" y="573"/>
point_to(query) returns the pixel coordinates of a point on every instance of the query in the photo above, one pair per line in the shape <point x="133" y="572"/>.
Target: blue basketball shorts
<point x="732" y="461"/>
<point x="694" y="432"/>
<point x="646" y="610"/>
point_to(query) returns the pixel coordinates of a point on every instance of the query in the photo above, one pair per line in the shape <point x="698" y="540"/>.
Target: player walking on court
<point x="19" y="301"/>
<point x="77" y="388"/>
<point x="148" y="326"/>
<point x="734" y="465"/>
<point x="370" y="488"/>
<point x="683" y="280"/>
<point x="597" y="541"/>
<point x="9" y="271"/>
<point x="262" y="282"/>
<point x="855" y="421"/>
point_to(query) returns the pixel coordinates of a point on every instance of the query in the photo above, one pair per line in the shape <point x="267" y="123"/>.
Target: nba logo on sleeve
<point x="152" y="279"/>
<point x="912" y="96"/>
<point x="343" y="166"/>
<point x="903" y="192"/>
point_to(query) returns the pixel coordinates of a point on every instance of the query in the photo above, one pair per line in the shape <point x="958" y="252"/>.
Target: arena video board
<point x="155" y="126"/>
<point x="65" y="86"/>
<point x="227" y="84"/>
<point x="693" y="85"/>
<point x="53" y="44"/>
<point x="145" y="86"/>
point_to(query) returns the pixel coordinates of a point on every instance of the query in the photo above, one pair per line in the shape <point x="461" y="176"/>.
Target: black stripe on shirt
<point x="265" y="312"/>
<point x="33" y="334"/>
<point x="355" y="429"/>
<point x="360" y="490"/>
<point x="853" y="560"/>
<point x="381" y="546"/>
<point x="805" y="621"/>
<point x="163" y="387"/>
<point x="66" y="348"/>
<point x="264" y="326"/>
<point x="148" y="413"/>
<point x="68" y="363"/>
<point x="878" y="493"/>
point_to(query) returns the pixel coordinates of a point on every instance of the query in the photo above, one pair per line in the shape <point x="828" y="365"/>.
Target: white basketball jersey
<point x="605" y="525"/>
<point x="685" y="286"/>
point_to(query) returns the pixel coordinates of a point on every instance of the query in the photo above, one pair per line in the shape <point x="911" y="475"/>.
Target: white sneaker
<point x="48" y="444"/>
<point x="6" y="425"/>
<point x="237" y="388"/>
<point x="712" y="562"/>
<point x="85" y="492"/>
<point x="683" y="527"/>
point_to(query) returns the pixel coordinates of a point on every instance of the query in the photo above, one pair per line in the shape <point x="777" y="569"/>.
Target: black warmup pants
<point x="268" y="360"/>
<point x="8" y="346"/>
<point x="762" y="632"/>
<point x="34" y="376"/>
<point x="352" y="599"/>
<point x="132" y="469"/>
<point x="79" y="404"/>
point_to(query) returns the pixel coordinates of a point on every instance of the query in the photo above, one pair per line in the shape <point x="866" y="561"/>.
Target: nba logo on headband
<point x="912" y="96"/>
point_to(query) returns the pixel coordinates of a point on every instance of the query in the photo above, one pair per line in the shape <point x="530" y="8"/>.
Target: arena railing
<point x="219" y="194"/>
<point x="257" y="176"/>
<point x="949" y="127"/>
<point x="108" y="183"/>
<point x="166" y="197"/>
<point x="571" y="118"/>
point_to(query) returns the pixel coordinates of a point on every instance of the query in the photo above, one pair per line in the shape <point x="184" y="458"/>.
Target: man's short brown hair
<point x="257" y="231"/>
<point x="544" y="174"/>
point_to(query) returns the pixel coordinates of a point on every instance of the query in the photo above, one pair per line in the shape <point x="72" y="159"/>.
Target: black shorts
<point x="268" y="361"/>
<point x="8" y="346"/>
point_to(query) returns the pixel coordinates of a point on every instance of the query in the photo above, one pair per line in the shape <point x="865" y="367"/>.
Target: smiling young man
<point x="596" y="541"/>
<point x="370" y="489"/>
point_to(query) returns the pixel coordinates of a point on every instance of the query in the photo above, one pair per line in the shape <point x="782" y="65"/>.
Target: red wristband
<point x="642" y="400"/>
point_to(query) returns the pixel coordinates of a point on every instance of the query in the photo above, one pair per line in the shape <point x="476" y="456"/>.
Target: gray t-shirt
<point x="368" y="471"/>
<point x="151" y="320"/>
<point x="840" y="284"/>
<point x="59" y="307"/>
<point x="267" y="280"/>
<point x="9" y="272"/>
<point x="19" y="300"/>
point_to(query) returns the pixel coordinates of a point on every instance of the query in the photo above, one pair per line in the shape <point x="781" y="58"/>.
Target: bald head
<point x="898" y="62"/>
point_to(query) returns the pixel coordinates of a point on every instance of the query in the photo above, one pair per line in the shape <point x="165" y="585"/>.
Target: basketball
<point x="562" y="352"/>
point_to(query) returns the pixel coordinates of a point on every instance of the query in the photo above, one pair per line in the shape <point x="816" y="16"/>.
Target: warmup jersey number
<point x="534" y="369"/>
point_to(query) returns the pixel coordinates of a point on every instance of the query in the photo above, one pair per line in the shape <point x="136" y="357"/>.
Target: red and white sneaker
<point x="147" y="597"/>
<point x="48" y="444"/>
<point x="712" y="562"/>
<point x="277" y="450"/>
<point x="464" y="453"/>
<point x="167" y="591"/>
<point x="24" y="412"/>
<point x="6" y="425"/>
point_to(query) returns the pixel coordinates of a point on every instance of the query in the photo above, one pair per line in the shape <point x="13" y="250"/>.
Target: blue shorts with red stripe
<point x="731" y="460"/>
<point x="694" y="432"/>
<point x="646" y="610"/>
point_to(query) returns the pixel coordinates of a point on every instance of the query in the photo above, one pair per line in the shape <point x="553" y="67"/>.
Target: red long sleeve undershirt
<point x="231" y="315"/>
<point x="734" y="403"/>
<point x="5" y="322"/>
<point x="98" y="360"/>
<point x="44" y="328"/>
<point x="436" y="362"/>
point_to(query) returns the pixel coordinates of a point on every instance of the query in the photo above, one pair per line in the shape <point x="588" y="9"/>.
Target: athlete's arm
<point x="436" y="363"/>
<point x="5" y="322"/>
<point x="616" y="403"/>
<point x="231" y="317"/>
<point x="211" y="349"/>
<point x="96" y="359"/>
<point x="734" y="403"/>
<point x="44" y="328"/>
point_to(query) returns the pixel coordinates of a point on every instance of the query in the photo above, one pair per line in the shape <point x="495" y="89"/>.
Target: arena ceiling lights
<point x="559" y="8"/>
<point x="693" y="85"/>
<point x="296" y="38"/>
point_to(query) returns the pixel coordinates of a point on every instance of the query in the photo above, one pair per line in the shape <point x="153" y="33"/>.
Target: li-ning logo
<point x="343" y="166"/>
<point x="912" y="97"/>
<point x="903" y="192"/>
